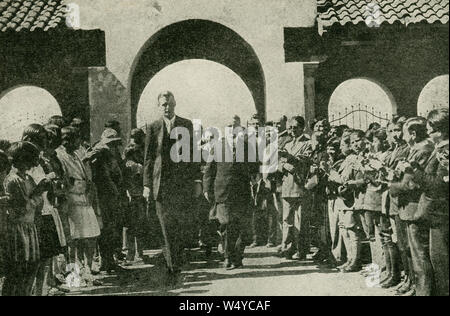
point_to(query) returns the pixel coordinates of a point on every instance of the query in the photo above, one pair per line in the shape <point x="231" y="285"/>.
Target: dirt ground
<point x="263" y="274"/>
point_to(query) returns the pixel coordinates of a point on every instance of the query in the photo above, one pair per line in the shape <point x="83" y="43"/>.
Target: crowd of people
<point x="66" y="203"/>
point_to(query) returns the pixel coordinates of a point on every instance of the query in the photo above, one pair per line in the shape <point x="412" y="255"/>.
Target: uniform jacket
<point x="294" y="182"/>
<point x="434" y="201"/>
<point x="400" y="153"/>
<point x="408" y="199"/>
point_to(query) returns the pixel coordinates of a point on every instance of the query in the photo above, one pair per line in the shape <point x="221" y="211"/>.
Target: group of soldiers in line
<point x="343" y="189"/>
<point x="339" y="190"/>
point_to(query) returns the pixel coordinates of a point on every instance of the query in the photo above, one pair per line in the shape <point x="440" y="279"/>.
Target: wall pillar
<point x="309" y="85"/>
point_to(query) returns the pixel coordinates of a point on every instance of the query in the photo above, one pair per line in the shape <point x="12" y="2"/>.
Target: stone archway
<point x="24" y="105"/>
<point x="197" y="39"/>
<point x="434" y="95"/>
<point x="358" y="102"/>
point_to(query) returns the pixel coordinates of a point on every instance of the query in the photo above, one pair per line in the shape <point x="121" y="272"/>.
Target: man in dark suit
<point x="169" y="182"/>
<point x="229" y="182"/>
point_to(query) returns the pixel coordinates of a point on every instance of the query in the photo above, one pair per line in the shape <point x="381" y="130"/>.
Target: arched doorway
<point x="24" y="105"/>
<point x="197" y="39"/>
<point x="204" y="90"/>
<point x="359" y="102"/>
<point x="434" y="95"/>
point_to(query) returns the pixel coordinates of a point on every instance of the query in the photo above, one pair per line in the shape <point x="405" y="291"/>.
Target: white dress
<point x="82" y="219"/>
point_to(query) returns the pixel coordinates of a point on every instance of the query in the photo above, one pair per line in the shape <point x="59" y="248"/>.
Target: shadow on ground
<point x="151" y="279"/>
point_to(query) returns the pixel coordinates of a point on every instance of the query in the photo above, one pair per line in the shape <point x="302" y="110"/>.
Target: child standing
<point x="25" y="203"/>
<point x="136" y="217"/>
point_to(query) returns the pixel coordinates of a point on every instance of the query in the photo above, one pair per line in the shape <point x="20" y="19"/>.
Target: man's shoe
<point x="253" y="245"/>
<point x="56" y="292"/>
<point x="318" y="257"/>
<point x="405" y="288"/>
<point x="411" y="292"/>
<point x="270" y="245"/>
<point x="390" y="283"/>
<point x="401" y="284"/>
<point x="227" y="264"/>
<point x="342" y="266"/>
<point x="352" y="268"/>
<point x="235" y="266"/>
<point x="298" y="256"/>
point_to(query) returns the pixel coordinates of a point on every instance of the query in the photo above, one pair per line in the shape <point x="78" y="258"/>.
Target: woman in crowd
<point x="84" y="227"/>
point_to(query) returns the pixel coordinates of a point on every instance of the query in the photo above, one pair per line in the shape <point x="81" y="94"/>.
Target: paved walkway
<point x="264" y="274"/>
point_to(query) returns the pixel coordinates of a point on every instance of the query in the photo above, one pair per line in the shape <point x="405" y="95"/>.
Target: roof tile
<point x="341" y="12"/>
<point x="22" y="15"/>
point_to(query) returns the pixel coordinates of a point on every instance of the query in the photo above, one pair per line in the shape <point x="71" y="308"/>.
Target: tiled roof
<point x="331" y="12"/>
<point x="30" y="15"/>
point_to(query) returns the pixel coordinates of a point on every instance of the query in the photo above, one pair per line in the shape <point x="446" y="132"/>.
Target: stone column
<point x="309" y="72"/>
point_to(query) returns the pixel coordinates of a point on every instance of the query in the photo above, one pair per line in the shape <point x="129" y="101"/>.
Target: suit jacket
<point x="229" y="181"/>
<point x="408" y="199"/>
<point x="177" y="177"/>
<point x="391" y="160"/>
<point x="294" y="183"/>
<point x="434" y="201"/>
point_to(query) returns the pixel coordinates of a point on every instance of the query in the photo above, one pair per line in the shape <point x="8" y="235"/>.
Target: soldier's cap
<point x="110" y="135"/>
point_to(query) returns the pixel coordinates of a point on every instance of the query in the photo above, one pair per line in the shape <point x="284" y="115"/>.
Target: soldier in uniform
<point x="420" y="149"/>
<point x="294" y="164"/>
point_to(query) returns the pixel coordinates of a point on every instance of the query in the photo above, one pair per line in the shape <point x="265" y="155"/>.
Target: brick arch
<point x="197" y="39"/>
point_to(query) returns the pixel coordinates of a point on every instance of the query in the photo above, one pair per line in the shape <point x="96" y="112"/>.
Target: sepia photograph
<point x="216" y="150"/>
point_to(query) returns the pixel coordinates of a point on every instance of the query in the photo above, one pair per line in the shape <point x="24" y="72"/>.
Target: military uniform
<point x="296" y="215"/>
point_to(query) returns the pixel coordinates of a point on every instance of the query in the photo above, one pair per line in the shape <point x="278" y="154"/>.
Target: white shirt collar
<point x="169" y="123"/>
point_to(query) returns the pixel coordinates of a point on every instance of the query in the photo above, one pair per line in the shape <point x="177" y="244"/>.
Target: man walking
<point x="229" y="181"/>
<point x="169" y="183"/>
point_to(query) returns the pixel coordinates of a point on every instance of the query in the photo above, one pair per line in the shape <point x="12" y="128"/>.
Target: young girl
<point x="22" y="237"/>
<point x="136" y="217"/>
<point x="83" y="223"/>
<point x="50" y="228"/>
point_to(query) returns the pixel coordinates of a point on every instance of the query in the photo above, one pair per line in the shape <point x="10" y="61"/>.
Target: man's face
<point x="320" y="131"/>
<point x="294" y="128"/>
<point x="345" y="146"/>
<point x="377" y="144"/>
<point x="331" y="151"/>
<point x="236" y="121"/>
<point x="167" y="107"/>
<point x="407" y="136"/>
<point x="333" y="132"/>
<point x="396" y="134"/>
<point x="69" y="142"/>
<point x="281" y="125"/>
<point x="357" y="143"/>
<point x="434" y="135"/>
